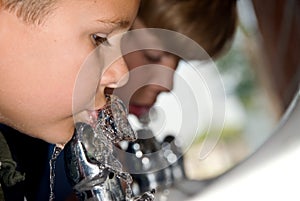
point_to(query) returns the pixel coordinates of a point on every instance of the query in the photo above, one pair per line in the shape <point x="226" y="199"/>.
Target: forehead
<point x="106" y="10"/>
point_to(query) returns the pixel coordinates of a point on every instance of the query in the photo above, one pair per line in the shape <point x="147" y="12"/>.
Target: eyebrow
<point x="119" y="23"/>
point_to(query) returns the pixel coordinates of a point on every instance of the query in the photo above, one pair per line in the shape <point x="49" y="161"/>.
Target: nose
<point x="116" y="75"/>
<point x="165" y="73"/>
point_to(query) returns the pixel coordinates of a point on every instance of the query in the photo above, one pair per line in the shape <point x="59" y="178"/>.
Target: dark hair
<point x="211" y="23"/>
<point x="30" y="11"/>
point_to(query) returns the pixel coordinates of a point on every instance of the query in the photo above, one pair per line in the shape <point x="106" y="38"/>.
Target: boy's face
<point x="39" y="65"/>
<point x="151" y="72"/>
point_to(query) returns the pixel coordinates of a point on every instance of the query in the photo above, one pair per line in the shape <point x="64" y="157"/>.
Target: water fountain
<point x="92" y="169"/>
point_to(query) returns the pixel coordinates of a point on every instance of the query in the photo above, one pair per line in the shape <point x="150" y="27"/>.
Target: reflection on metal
<point x="155" y="165"/>
<point x="92" y="169"/>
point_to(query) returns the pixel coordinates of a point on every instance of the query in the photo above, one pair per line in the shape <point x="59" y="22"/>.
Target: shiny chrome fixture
<point x="92" y="169"/>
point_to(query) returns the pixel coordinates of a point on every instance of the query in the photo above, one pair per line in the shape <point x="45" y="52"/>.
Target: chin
<point x="58" y="134"/>
<point x="59" y="137"/>
<point x="53" y="133"/>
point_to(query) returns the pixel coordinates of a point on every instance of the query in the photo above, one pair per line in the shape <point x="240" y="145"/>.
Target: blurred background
<point x="257" y="93"/>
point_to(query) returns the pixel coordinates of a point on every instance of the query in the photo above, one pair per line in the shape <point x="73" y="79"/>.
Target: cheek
<point x="135" y="60"/>
<point x="46" y="85"/>
<point x="73" y="76"/>
<point x="87" y="83"/>
<point x="45" y="89"/>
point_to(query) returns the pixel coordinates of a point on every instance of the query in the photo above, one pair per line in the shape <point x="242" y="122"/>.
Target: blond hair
<point x="28" y="10"/>
<point x="211" y="23"/>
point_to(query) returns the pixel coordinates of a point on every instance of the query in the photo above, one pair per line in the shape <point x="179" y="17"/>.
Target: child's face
<point x="151" y="72"/>
<point x="39" y="65"/>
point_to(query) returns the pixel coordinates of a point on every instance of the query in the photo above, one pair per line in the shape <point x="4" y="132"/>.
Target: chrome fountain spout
<point x="158" y="164"/>
<point x="92" y="169"/>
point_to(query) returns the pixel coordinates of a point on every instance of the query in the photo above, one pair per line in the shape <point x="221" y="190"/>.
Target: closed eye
<point x="100" y="39"/>
<point x="154" y="58"/>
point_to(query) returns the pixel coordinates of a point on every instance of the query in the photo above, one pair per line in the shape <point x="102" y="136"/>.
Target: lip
<point x="93" y="116"/>
<point x="93" y="113"/>
<point x="96" y="105"/>
<point x="89" y="114"/>
<point x="139" y="110"/>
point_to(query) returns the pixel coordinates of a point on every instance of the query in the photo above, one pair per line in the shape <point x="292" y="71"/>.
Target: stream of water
<point x="57" y="150"/>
